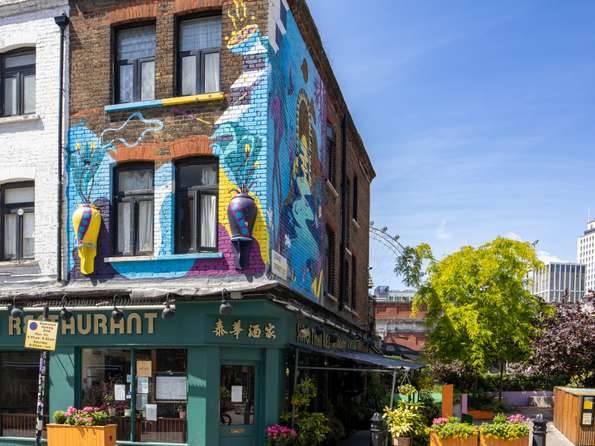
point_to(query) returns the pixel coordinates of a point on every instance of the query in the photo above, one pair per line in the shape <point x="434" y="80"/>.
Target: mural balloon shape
<point x="86" y="221"/>
<point x="241" y="212"/>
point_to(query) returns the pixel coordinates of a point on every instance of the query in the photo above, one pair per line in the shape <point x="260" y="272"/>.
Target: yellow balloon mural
<point x="86" y="221"/>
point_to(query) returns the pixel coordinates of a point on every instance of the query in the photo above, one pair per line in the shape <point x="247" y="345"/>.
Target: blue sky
<point x="479" y="117"/>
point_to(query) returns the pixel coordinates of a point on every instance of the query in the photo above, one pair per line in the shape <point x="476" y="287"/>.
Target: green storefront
<point x="197" y="379"/>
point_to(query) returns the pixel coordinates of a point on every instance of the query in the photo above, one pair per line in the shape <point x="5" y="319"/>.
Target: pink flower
<point x="440" y="420"/>
<point x="88" y="409"/>
<point x="517" y="419"/>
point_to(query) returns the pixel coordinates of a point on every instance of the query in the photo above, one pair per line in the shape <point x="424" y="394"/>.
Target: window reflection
<point x="237" y="395"/>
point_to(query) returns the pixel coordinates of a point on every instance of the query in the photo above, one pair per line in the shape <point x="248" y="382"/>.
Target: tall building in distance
<point x="585" y="254"/>
<point x="395" y="323"/>
<point x="560" y="282"/>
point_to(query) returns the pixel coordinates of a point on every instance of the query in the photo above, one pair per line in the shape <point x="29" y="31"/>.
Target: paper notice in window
<point x="236" y="394"/>
<point x="171" y="388"/>
<point x="143" y="384"/>
<point x="120" y="392"/>
<point x="151" y="412"/>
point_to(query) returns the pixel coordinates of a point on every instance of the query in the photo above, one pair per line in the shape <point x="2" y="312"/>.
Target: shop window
<point x="161" y="391"/>
<point x="196" y="205"/>
<point x="199" y="55"/>
<point x="18" y="79"/>
<point x="237" y="394"/>
<point x="18" y="393"/>
<point x="133" y="207"/>
<point x="135" y="64"/>
<point x="17" y="221"/>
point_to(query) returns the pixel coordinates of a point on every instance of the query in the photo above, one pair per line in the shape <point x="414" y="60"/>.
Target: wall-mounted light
<point x="225" y="309"/>
<point x="117" y="314"/>
<point x="169" y="311"/>
<point x="15" y="311"/>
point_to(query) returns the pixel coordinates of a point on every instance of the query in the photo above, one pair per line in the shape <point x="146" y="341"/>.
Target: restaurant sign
<point x="322" y="338"/>
<point x="92" y="324"/>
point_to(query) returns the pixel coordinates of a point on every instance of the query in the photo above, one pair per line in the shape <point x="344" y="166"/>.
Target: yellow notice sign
<point x="41" y="335"/>
<point x="588" y="405"/>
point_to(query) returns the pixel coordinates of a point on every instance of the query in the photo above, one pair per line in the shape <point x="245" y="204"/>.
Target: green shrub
<point x="59" y="417"/>
<point x="506" y="428"/>
<point x="452" y="427"/>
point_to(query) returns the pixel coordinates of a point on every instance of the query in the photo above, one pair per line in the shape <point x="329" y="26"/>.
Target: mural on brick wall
<point x="238" y="138"/>
<point x="296" y="116"/>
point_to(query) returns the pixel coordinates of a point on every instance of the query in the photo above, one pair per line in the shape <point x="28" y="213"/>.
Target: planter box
<point x="436" y="441"/>
<point x="481" y="414"/>
<point x="492" y="441"/>
<point x="66" y="435"/>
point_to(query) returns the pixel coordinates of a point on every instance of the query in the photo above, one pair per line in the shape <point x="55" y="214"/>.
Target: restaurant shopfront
<point x="198" y="378"/>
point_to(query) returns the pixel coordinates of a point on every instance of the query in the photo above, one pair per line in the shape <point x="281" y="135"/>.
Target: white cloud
<point x="547" y="257"/>
<point x="513" y="236"/>
<point x="442" y="233"/>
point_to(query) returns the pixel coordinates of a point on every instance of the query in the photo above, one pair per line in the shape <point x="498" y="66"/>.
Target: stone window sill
<point x="167" y="102"/>
<point x="351" y="310"/>
<point x="29" y="262"/>
<point x="332" y="189"/>
<point x="19" y="119"/>
<point x="355" y="223"/>
<point x="198" y="255"/>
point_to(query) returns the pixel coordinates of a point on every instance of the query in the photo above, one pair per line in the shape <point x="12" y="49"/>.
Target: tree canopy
<point x="478" y="305"/>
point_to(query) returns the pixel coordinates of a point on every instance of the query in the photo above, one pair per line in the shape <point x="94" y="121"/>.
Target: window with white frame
<point x="17" y="220"/>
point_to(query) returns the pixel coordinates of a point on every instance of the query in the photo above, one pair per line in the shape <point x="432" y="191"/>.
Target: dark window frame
<point x="354" y="198"/>
<point x="134" y="197"/>
<point x="353" y="284"/>
<point x="136" y="64"/>
<point x="331" y="262"/>
<point x="199" y="54"/>
<point x="5" y="209"/>
<point x="197" y="192"/>
<point x="331" y="153"/>
<point x="19" y="73"/>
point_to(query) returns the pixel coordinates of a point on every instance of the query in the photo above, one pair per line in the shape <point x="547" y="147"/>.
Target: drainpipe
<point x="62" y="21"/>
<point x="344" y="212"/>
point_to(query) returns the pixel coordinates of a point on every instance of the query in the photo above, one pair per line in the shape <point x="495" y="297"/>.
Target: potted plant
<point x="404" y="422"/>
<point x="452" y="432"/>
<point x="108" y="401"/>
<point x="278" y="435"/>
<point x="81" y="427"/>
<point x="505" y="431"/>
<point x="182" y="411"/>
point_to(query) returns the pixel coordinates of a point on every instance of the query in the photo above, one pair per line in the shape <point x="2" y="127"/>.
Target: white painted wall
<point x="29" y="145"/>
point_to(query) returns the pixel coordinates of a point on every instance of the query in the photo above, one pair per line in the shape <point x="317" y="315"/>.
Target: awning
<point x="368" y="359"/>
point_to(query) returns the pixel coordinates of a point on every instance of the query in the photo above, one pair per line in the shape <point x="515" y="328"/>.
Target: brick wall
<point x="164" y="134"/>
<point x="29" y="144"/>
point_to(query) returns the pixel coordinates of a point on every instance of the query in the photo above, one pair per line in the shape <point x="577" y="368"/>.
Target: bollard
<point x="378" y="432"/>
<point x="539" y="430"/>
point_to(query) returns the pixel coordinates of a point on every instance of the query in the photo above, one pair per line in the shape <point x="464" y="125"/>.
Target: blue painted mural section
<point x="297" y="117"/>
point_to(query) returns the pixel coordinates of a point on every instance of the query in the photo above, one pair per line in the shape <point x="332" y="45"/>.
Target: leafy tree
<point x="478" y="306"/>
<point x="566" y="346"/>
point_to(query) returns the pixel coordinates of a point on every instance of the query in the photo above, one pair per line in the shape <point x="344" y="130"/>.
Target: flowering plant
<point x="507" y="428"/>
<point x="452" y="427"/>
<point x="281" y="435"/>
<point x="87" y="416"/>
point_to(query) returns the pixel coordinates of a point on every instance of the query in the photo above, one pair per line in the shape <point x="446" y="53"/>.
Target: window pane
<point x="198" y="34"/>
<point x="184" y="221"/>
<point x="208" y="219"/>
<point x="148" y="81"/>
<point x="126" y="83"/>
<point x="102" y="372"/>
<point x="166" y="388"/>
<point x="237" y="394"/>
<point x="211" y="72"/>
<point x="19" y="195"/>
<point x="135" y="180"/>
<point x="124" y="218"/>
<point x="29" y="94"/>
<point x="29" y="234"/>
<point x="10" y="96"/>
<point x="20" y="60"/>
<point x="10" y="236"/>
<point x="18" y="399"/>
<point x="145" y="226"/>
<point x="189" y="75"/>
<point x="136" y="43"/>
<point x="197" y="175"/>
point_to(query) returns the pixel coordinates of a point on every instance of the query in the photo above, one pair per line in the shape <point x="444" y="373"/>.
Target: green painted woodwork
<point x="192" y="329"/>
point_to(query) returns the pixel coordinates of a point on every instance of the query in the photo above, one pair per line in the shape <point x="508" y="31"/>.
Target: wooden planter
<point x="437" y="441"/>
<point x="481" y="414"/>
<point x="493" y="441"/>
<point x="66" y="435"/>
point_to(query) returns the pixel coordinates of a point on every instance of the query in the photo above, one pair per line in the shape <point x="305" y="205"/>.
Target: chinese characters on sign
<point x="254" y="331"/>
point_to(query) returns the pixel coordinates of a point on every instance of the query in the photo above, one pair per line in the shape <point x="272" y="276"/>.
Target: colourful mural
<point x="238" y="138"/>
<point x="296" y="121"/>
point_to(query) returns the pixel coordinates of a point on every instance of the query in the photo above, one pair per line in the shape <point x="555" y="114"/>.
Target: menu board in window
<point x="587" y="410"/>
<point x="170" y="388"/>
